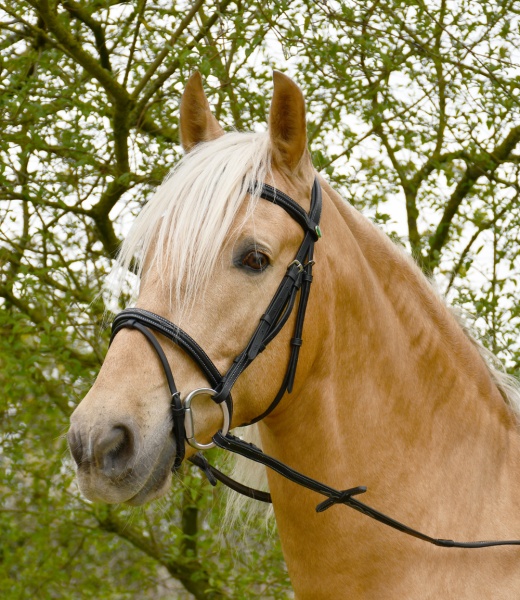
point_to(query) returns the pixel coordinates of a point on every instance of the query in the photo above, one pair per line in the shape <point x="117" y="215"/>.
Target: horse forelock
<point x="181" y="230"/>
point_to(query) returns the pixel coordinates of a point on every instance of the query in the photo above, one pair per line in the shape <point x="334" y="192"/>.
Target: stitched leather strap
<point x="176" y="408"/>
<point x="282" y="303"/>
<point x="214" y="474"/>
<point x="252" y="452"/>
<point x="174" y="334"/>
<point x="309" y="222"/>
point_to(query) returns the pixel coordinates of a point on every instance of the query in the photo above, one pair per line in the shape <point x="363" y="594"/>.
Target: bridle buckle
<point x="301" y="268"/>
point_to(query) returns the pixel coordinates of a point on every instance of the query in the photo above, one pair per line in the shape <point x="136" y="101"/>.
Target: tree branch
<point x="222" y="72"/>
<point x="39" y="318"/>
<point x="159" y="59"/>
<point x="82" y="15"/>
<point x="484" y="165"/>
<point x="104" y="227"/>
<point x="189" y="571"/>
<point x="74" y="48"/>
<point x="141" y="5"/>
<point x="155" y="85"/>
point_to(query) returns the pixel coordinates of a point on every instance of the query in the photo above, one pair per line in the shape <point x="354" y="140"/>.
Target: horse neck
<point x="397" y="398"/>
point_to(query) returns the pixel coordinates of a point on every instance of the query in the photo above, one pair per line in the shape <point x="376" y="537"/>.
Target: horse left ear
<point x="287" y="125"/>
<point x="197" y="123"/>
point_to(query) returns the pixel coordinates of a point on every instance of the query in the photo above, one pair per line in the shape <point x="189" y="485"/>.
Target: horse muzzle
<point x="116" y="463"/>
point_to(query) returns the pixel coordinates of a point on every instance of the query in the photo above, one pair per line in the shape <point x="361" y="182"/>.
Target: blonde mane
<point x="507" y="385"/>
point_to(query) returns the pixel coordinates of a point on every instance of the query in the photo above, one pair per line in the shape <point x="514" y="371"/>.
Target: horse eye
<point x="256" y="261"/>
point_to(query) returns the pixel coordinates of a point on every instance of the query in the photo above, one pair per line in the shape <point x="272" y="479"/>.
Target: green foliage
<point x="413" y="110"/>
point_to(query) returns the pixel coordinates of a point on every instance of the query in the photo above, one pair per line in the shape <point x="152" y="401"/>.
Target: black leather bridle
<point x="296" y="282"/>
<point x="298" y="278"/>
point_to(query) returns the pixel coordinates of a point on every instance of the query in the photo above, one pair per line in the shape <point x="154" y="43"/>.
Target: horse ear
<point x="287" y="126"/>
<point x="197" y="123"/>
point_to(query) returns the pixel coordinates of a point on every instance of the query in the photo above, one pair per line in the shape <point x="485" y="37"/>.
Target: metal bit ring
<point x="188" y="423"/>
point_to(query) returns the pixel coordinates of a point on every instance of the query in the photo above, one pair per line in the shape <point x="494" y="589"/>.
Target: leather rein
<point x="294" y="285"/>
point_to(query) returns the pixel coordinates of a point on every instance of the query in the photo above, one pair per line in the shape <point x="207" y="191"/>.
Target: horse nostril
<point x="114" y="450"/>
<point x="109" y="449"/>
<point x="75" y="446"/>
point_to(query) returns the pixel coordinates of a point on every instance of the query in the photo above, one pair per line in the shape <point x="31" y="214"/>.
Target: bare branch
<point x="183" y="570"/>
<point x="155" y="85"/>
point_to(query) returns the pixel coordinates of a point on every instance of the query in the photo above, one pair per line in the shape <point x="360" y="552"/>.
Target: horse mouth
<point x="156" y="486"/>
<point x="158" y="481"/>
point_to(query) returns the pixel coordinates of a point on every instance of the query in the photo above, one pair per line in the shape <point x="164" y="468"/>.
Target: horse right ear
<point x="197" y="123"/>
<point x="287" y="127"/>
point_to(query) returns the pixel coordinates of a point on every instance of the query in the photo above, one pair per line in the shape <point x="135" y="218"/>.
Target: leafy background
<point x="414" y="116"/>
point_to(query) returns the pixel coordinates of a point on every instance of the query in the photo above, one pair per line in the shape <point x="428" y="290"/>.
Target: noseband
<point x="297" y="278"/>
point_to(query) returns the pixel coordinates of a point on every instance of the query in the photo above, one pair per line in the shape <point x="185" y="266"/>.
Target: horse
<point x="390" y="391"/>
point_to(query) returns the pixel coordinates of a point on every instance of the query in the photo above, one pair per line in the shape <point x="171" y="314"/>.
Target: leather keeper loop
<point x="267" y="319"/>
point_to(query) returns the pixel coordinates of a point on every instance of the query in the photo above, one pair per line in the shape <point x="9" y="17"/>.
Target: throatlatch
<point x="297" y="280"/>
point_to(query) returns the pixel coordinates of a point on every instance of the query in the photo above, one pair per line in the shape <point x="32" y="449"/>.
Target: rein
<point x="296" y="281"/>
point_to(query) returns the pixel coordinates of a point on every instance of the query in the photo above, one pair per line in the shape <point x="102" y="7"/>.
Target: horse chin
<point x="156" y="486"/>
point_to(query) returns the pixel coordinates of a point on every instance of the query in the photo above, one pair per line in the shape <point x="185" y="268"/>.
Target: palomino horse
<point x="389" y="392"/>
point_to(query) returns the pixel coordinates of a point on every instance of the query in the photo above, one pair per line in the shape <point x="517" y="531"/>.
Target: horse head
<point x="212" y="254"/>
